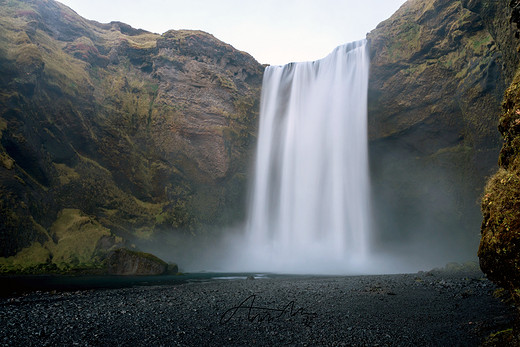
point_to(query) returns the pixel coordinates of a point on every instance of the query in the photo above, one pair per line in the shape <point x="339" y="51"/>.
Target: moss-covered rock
<point x="125" y="262"/>
<point x="83" y="48"/>
<point x="76" y="242"/>
<point x="503" y="338"/>
<point x="499" y="250"/>
<point x="75" y="237"/>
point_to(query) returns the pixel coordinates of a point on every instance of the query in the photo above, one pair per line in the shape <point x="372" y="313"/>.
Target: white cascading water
<point x="309" y="209"/>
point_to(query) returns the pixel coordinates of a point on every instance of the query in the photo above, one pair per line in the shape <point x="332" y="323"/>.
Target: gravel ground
<point x="425" y="309"/>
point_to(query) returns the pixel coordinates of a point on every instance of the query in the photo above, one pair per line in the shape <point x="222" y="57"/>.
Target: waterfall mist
<point x="310" y="199"/>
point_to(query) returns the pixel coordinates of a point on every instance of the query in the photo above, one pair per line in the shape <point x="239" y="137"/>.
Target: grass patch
<point x="65" y="174"/>
<point x="76" y="236"/>
<point x="28" y="257"/>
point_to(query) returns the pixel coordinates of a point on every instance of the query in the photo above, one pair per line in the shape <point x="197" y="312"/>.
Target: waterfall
<point x="309" y="208"/>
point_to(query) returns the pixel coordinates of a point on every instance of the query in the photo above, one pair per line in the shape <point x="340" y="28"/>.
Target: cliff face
<point x="141" y="132"/>
<point x="109" y="133"/>
<point x="438" y="75"/>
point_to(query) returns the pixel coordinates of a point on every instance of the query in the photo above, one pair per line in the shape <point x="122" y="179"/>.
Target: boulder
<point x="125" y="262"/>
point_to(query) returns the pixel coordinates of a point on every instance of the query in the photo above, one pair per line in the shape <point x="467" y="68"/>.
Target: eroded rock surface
<point x="143" y="133"/>
<point x="438" y="75"/>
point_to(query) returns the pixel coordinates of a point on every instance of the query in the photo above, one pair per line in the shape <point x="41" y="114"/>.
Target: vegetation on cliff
<point x="499" y="250"/>
<point x="438" y="74"/>
<point x="136" y="133"/>
<point x="111" y="135"/>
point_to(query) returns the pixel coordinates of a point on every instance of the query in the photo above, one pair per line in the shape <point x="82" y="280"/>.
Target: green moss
<point x="95" y="164"/>
<point x="6" y="161"/>
<point x="499" y="249"/>
<point x="406" y="41"/>
<point x="415" y="70"/>
<point x="128" y="95"/>
<point x="151" y="87"/>
<point x="76" y="236"/>
<point x="501" y="228"/>
<point x="503" y="338"/>
<point x="241" y="131"/>
<point x="151" y="208"/>
<point x="183" y="34"/>
<point x="72" y="247"/>
<point x="481" y="42"/>
<point x="67" y="73"/>
<point x="181" y="215"/>
<point x="65" y="173"/>
<point x="460" y="149"/>
<point x="28" y="55"/>
<point x="226" y="82"/>
<point x="161" y="218"/>
<point x="28" y="257"/>
<point x="22" y="38"/>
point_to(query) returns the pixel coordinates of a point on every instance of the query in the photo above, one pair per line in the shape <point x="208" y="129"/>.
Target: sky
<point x="274" y="32"/>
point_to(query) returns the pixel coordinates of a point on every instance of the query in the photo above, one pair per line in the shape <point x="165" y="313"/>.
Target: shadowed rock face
<point x="438" y="75"/>
<point x="143" y="132"/>
<point x="124" y="262"/>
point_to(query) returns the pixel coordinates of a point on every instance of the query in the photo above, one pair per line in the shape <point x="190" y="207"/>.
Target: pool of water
<point x="20" y="284"/>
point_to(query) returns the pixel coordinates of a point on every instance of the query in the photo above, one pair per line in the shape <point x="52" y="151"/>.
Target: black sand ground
<point x="426" y="309"/>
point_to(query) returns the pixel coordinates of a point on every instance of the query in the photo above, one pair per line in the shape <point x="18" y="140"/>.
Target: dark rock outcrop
<point x="124" y="262"/>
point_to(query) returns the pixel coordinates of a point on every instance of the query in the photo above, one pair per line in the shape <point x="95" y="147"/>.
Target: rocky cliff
<point x="438" y="75"/>
<point x="111" y="135"/>
<point x="499" y="249"/>
<point x="127" y="133"/>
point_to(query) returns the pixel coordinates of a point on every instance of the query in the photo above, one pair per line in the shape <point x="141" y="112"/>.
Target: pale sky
<point x="273" y="31"/>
